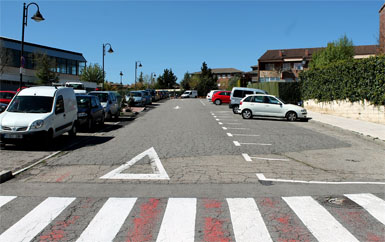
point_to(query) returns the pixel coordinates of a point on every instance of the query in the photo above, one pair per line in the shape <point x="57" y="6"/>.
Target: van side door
<point x="61" y="120"/>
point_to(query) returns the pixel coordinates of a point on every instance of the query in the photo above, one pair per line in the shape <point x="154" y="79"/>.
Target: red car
<point x="6" y="96"/>
<point x="221" y="97"/>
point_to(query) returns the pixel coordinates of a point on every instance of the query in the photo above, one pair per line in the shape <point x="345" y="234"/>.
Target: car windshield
<point x="83" y="102"/>
<point x="103" y="97"/>
<point x="136" y="94"/>
<point x="6" y="95"/>
<point x="281" y="100"/>
<point x="31" y="104"/>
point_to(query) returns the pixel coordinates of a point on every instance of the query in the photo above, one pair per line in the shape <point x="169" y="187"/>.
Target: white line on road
<point x="318" y="220"/>
<point x="247" y="135"/>
<point x="6" y="199"/>
<point x="229" y="134"/>
<point x="107" y="222"/>
<point x="37" y="162"/>
<point x="236" y="143"/>
<point x="176" y="107"/>
<point x="263" y="178"/>
<point x="233" y="123"/>
<point x="116" y="123"/>
<point x="247" y="221"/>
<point x="374" y="205"/>
<point x="225" y="128"/>
<point x="249" y="158"/>
<point x="179" y="220"/>
<point x="36" y="220"/>
<point x="204" y="104"/>
<point x="220" y="123"/>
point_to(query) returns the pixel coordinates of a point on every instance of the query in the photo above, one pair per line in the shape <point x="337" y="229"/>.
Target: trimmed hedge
<point x="289" y="91"/>
<point x="355" y="80"/>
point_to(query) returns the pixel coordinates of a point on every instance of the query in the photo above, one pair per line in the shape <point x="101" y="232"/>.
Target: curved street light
<point x="136" y="68"/>
<point x="110" y="50"/>
<point x="37" y="17"/>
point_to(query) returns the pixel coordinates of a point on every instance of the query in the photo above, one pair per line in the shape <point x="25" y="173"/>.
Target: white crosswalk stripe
<point x="181" y="218"/>
<point x="108" y="220"/>
<point x="318" y="220"/>
<point x="36" y="220"/>
<point x="374" y="205"/>
<point x="248" y="224"/>
<point x="5" y="199"/>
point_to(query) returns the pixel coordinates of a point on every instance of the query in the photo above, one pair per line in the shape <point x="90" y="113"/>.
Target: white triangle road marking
<point x="159" y="171"/>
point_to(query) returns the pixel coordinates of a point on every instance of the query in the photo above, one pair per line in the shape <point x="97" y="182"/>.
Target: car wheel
<point x="235" y="109"/>
<point x="291" y="116"/>
<point x="73" y="130"/>
<point x="218" y="102"/>
<point x="246" y="114"/>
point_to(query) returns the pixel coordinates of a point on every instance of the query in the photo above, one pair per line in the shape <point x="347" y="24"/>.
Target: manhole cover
<point x="340" y="202"/>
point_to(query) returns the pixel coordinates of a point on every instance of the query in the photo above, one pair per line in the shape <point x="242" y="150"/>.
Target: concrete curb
<point x="5" y="176"/>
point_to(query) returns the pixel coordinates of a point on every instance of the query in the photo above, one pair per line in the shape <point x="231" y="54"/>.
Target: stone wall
<point x="357" y="110"/>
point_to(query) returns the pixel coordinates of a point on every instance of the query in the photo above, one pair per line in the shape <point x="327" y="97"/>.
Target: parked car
<point x="155" y="96"/>
<point x="210" y="94"/>
<point x="90" y="111"/>
<point x="6" y="96"/>
<point x="221" y="97"/>
<point x="77" y="86"/>
<point x="237" y="93"/>
<point x="270" y="106"/>
<point x="147" y="96"/>
<point x="138" y="98"/>
<point x="120" y="99"/>
<point x="39" y="112"/>
<point x="3" y="106"/>
<point x="109" y="102"/>
<point x="190" y="94"/>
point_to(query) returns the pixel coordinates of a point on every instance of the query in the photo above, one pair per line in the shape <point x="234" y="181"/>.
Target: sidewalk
<point x="363" y="127"/>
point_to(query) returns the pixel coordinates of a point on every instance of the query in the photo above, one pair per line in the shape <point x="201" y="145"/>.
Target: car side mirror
<point x="280" y="104"/>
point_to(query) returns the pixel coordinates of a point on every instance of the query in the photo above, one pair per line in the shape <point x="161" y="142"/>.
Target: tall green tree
<point x="141" y="79"/>
<point x="341" y="49"/>
<point x="207" y="81"/>
<point x="167" y="79"/>
<point x="185" y="83"/>
<point x="92" y="73"/>
<point x="45" y="67"/>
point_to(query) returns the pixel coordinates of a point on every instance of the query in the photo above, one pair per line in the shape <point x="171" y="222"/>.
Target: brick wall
<point x="358" y="110"/>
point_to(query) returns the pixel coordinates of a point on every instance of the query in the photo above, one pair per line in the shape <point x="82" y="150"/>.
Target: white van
<point x="238" y="93"/>
<point x="190" y="94"/>
<point x="39" y="112"/>
<point x="77" y="86"/>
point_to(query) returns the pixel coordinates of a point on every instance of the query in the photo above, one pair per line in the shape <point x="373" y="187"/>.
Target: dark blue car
<point x="90" y="111"/>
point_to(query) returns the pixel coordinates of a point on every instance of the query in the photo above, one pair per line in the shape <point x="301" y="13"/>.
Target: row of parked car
<point x="251" y="102"/>
<point x="49" y="111"/>
<point x="142" y="98"/>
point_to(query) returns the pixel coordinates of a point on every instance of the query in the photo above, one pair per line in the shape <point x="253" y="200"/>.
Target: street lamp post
<point x="104" y="53"/>
<point x="152" y="76"/>
<point x="37" y="17"/>
<point x="121" y="83"/>
<point x="136" y="68"/>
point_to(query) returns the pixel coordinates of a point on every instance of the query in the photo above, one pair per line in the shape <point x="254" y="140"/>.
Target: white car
<point x="210" y="94"/>
<point x="44" y="112"/>
<point x="270" y="106"/>
<point x="190" y="94"/>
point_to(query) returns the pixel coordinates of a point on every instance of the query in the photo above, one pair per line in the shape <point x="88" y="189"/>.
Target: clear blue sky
<point x="182" y="34"/>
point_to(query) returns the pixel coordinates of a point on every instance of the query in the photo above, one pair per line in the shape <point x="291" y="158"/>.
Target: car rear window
<point x="238" y="93"/>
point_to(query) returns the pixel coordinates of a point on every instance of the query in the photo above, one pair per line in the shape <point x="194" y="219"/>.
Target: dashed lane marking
<point x="226" y="128"/>
<point x="249" y="158"/>
<point x="236" y="143"/>
<point x="246" y="135"/>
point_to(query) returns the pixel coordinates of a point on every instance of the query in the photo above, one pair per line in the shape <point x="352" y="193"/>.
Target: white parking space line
<point x="236" y="143"/>
<point x="229" y="134"/>
<point x="36" y="220"/>
<point x="6" y="199"/>
<point x="247" y="135"/>
<point x="247" y="221"/>
<point x="220" y="123"/>
<point x="179" y="220"/>
<point x="249" y="158"/>
<point x="225" y="128"/>
<point x="263" y="178"/>
<point x="318" y="220"/>
<point x="107" y="222"/>
<point x="116" y="123"/>
<point x="225" y="119"/>
<point x="374" y="205"/>
<point x="233" y="123"/>
<point x="204" y="104"/>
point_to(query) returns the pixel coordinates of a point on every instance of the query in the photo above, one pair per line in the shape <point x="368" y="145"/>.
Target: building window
<point x="82" y="66"/>
<point x="71" y="67"/>
<point x="298" y="66"/>
<point x="286" y="66"/>
<point x="269" y="67"/>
